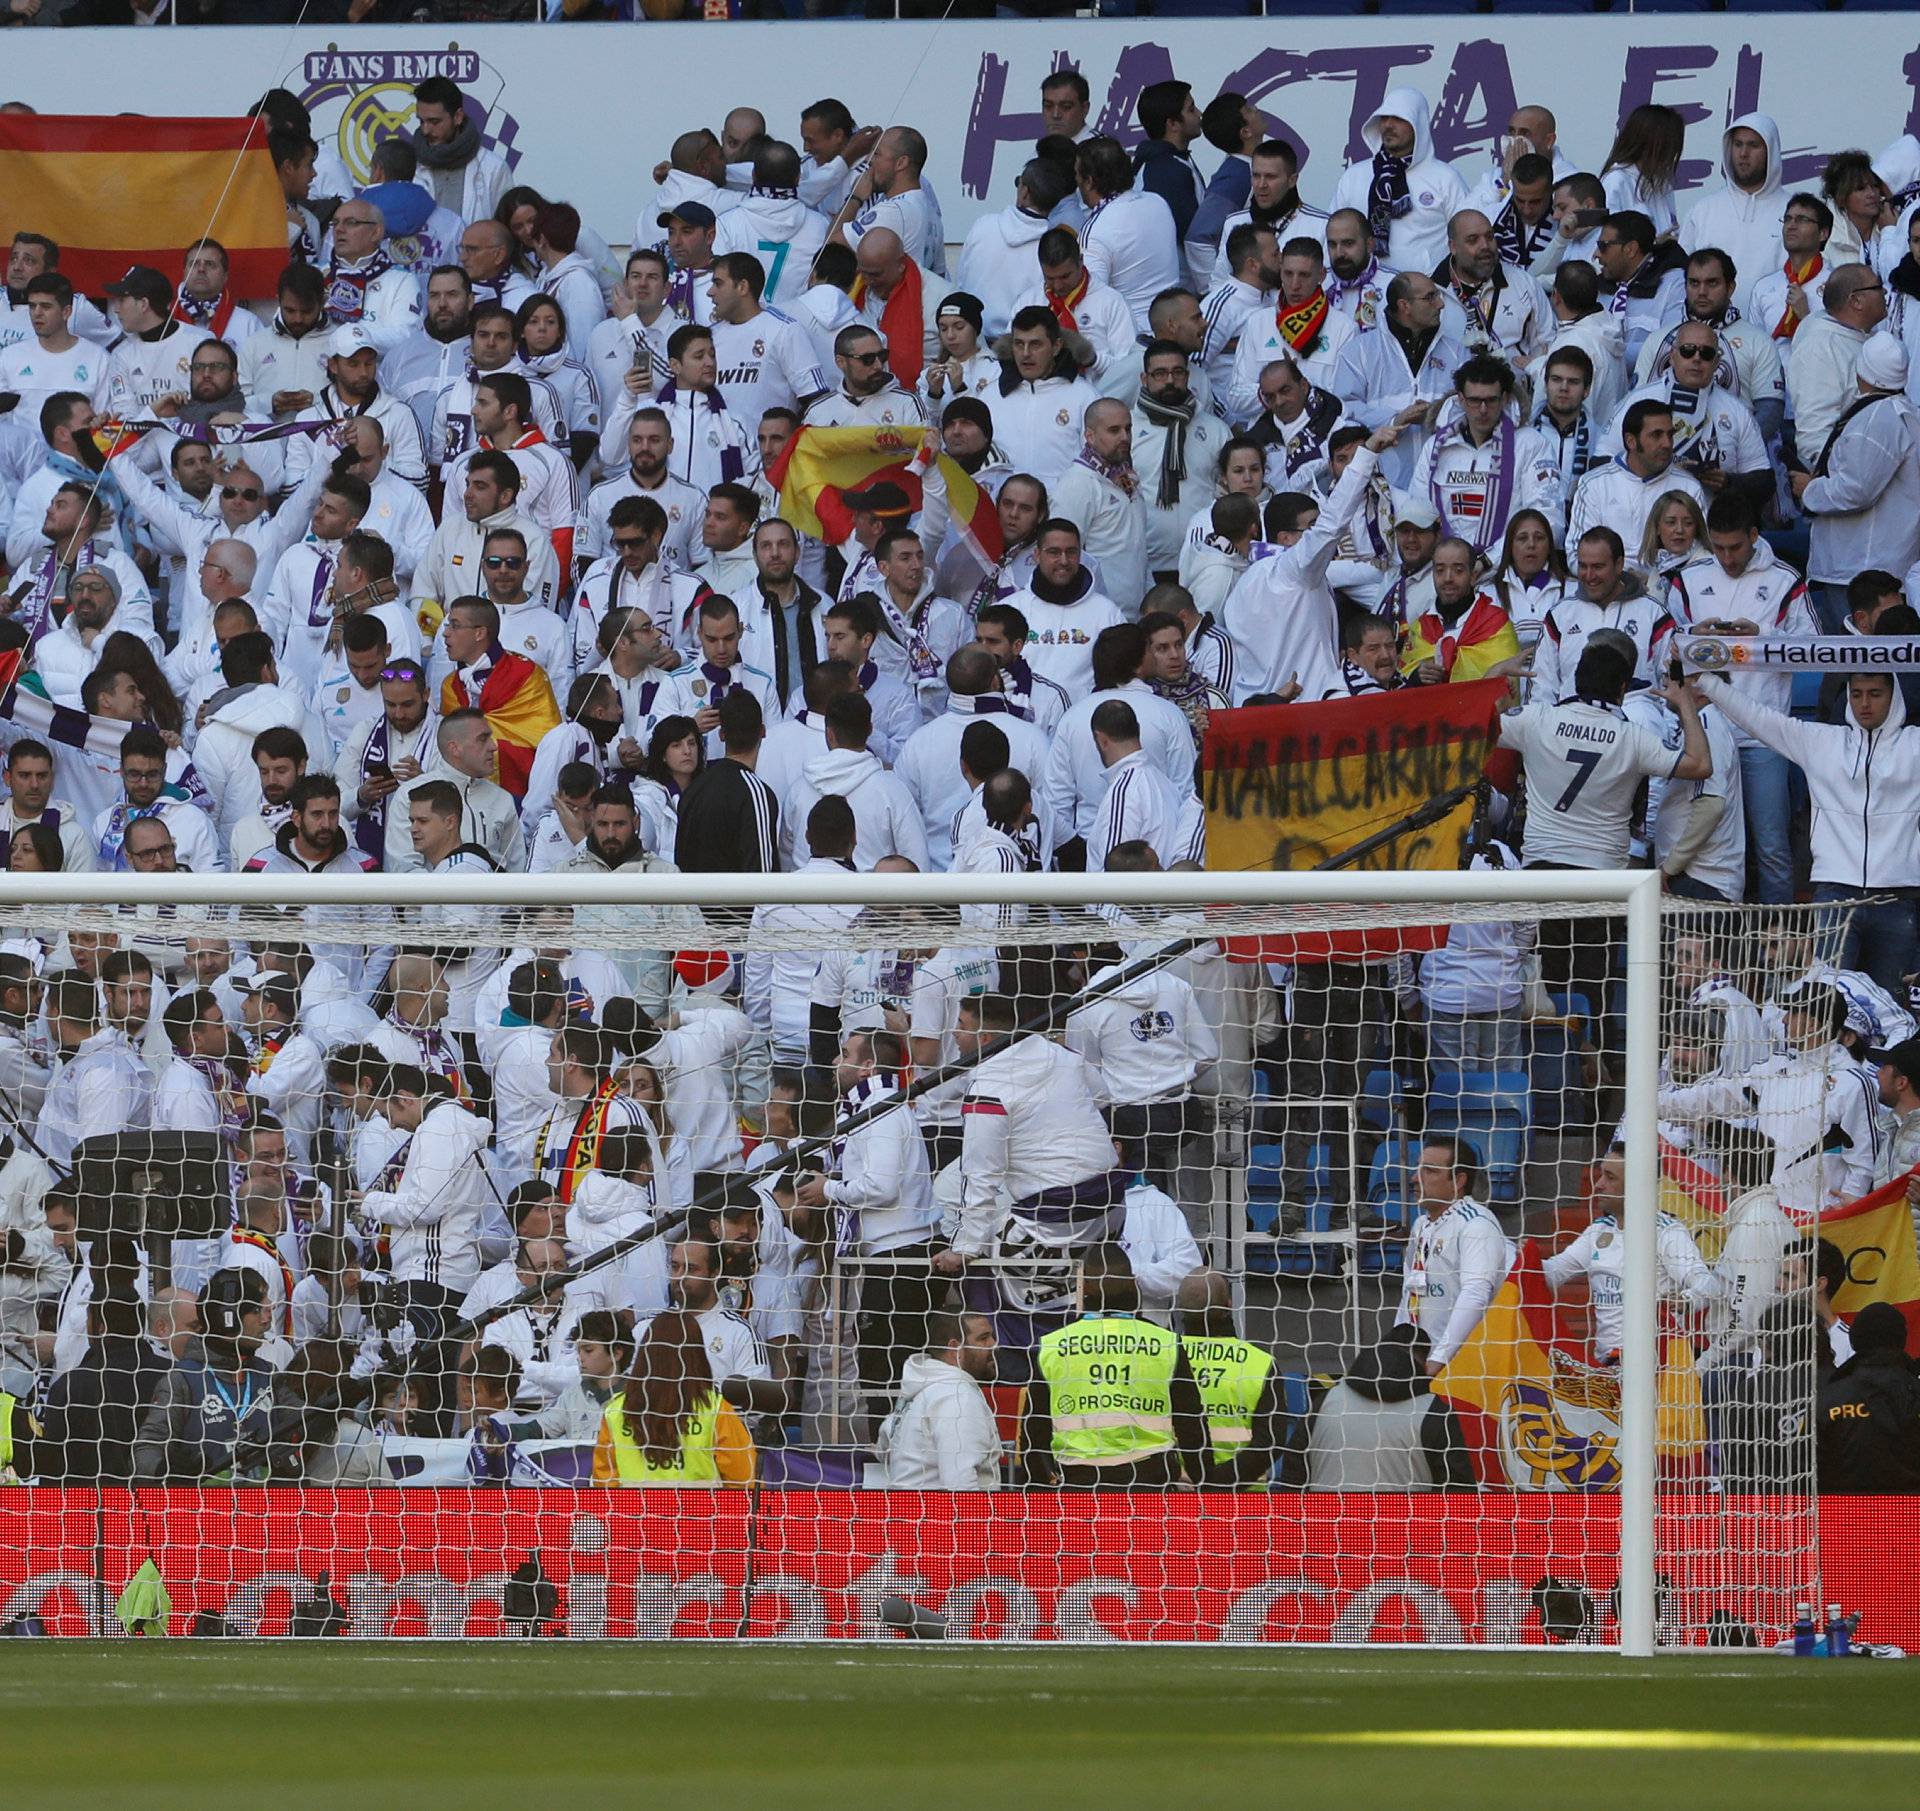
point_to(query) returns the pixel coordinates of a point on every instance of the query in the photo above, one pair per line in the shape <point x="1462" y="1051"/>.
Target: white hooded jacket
<point x="1418" y="239"/>
<point x="1864" y="786"/>
<point x="886" y="820"/>
<point x="943" y="1435"/>
<point x="999" y="263"/>
<point x="433" y="1213"/>
<point x="224" y="752"/>
<point x="1743" y="223"/>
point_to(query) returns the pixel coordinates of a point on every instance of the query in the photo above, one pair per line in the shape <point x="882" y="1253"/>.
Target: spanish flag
<point x="1875" y="1235"/>
<point x="1536" y="1415"/>
<point x="517" y="699"/>
<point x="817" y="464"/>
<point x="114" y="192"/>
<point x="1465" y="650"/>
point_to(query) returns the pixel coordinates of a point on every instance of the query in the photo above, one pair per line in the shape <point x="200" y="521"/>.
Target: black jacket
<point x="1868" y="1427"/>
<point x="729" y="823"/>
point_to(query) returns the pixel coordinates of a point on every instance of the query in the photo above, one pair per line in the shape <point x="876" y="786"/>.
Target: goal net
<point x="1071" y="1258"/>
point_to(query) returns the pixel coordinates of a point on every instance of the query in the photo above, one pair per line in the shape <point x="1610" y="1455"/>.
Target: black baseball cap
<point x="146" y="284"/>
<point x="1904" y="1056"/>
<point x="688" y="213"/>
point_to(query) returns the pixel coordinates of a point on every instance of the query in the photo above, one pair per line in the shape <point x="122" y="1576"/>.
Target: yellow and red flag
<point x="517" y="699"/>
<point x="1535" y="1414"/>
<point x="1875" y="1235"/>
<point x="817" y="464"/>
<point x="1290" y="786"/>
<point x="114" y="192"/>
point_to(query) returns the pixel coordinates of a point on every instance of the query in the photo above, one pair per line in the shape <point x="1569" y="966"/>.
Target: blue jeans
<point x="1880" y="941"/>
<point x="1829" y="607"/>
<point x="1765" y="780"/>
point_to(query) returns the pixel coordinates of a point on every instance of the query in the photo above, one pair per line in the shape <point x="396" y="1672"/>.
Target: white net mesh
<point x="986" y="1272"/>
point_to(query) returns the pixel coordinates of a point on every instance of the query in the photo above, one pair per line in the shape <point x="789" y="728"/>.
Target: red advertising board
<point x="1351" y="1568"/>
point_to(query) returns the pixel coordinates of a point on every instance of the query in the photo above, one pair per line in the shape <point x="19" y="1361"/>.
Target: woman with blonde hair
<point x="1675" y="539"/>
<point x="669" y="1425"/>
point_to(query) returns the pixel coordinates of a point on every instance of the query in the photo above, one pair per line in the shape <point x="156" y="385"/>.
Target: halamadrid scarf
<point x="1520" y="243"/>
<point x="922" y="662"/>
<point x="212" y="315"/>
<point x="1339" y="288"/>
<point x="347" y="289"/>
<point x="583" y="1142"/>
<point x="232" y="1101"/>
<point x="1789" y="323"/>
<point x="1582" y="438"/>
<point x="1300" y="325"/>
<point x="1176" y="418"/>
<point x="1123" y="476"/>
<point x="733" y="466"/>
<point x="1063" y="306"/>
<point x="902" y="325"/>
<point x="114" y="838"/>
<point x="1495" y="500"/>
<point x="1388" y="198"/>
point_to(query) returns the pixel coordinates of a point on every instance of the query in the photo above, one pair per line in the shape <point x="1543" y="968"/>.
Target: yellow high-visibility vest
<point x="1110" y="1382"/>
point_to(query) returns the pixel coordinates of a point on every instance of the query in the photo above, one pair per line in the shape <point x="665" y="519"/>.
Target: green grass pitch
<point x="363" y="1724"/>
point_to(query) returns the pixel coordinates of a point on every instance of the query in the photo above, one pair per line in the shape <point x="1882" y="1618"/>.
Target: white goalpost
<point x="1317" y="1278"/>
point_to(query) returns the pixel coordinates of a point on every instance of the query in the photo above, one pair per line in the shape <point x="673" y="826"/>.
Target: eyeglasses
<point x="497" y="560"/>
<point x="244" y="493"/>
<point x="202" y="366"/>
<point x="865" y="358"/>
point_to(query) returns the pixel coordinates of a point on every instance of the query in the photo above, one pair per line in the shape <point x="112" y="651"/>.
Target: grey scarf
<point x="456" y="153"/>
<point x="1176" y="419"/>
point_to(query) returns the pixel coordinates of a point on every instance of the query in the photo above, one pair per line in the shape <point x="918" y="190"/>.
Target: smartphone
<point x="379" y="770"/>
<point x="1586" y="219"/>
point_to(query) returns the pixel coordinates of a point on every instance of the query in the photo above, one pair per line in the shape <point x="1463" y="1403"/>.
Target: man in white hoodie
<point x="943" y="1435"/>
<point x="1000" y="255"/>
<point x="1406" y="192"/>
<point x="887" y="821"/>
<point x="252" y="700"/>
<point x="1864" y="779"/>
<point x="1743" y="218"/>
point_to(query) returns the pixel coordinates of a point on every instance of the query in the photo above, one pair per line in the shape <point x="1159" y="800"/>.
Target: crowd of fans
<point x="460" y="555"/>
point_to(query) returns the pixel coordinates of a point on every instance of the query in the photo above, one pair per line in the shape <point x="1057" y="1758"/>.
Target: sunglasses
<point x="865" y="358"/>
<point x="404" y="669"/>
<point x="629" y="541"/>
<point x="1696" y="352"/>
<point x="245" y="493"/>
<point x="497" y="560"/>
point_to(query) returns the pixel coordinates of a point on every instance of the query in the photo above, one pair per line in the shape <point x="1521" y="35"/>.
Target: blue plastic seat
<point x="1493" y="1111"/>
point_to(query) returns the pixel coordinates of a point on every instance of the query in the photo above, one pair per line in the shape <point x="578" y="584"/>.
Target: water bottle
<point x="1803" y="1631"/>
<point x="1839" y="1636"/>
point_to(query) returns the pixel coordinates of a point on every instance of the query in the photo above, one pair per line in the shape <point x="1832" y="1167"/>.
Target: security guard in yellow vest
<point x="1236" y="1381"/>
<point x="19" y="1439"/>
<point x="1113" y="1403"/>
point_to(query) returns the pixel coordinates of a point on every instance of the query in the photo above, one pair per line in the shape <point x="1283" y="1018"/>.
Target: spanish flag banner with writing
<point x="1291" y="786"/>
<point x="1536" y="1415"/>
<point x="817" y="464"/>
<point x="118" y="192"/>
<point x="1875" y="1235"/>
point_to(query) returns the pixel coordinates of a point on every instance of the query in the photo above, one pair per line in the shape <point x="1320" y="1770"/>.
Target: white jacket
<point x="1820" y="381"/>
<point x="433" y="1214"/>
<point x="1769" y="594"/>
<point x="1743" y="223"/>
<point x="1038" y="424"/>
<point x="883" y="1189"/>
<point x="1418" y="239"/>
<point x="1281" y="615"/>
<point x="943" y="1435"/>
<point x="1456" y="1259"/>
<point x="223" y="754"/>
<point x="1864" y="786"/>
<point x="885" y="819"/>
<point x="998" y="263"/>
<point x="1601" y="336"/>
<point x="1611" y="496"/>
<point x="1866" y="505"/>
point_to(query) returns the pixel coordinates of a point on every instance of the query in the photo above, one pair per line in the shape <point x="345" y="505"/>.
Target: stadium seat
<point x="1492" y="1110"/>
<point x="1381" y="1097"/>
<point x="1390" y="1178"/>
<point x="1556" y="1064"/>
